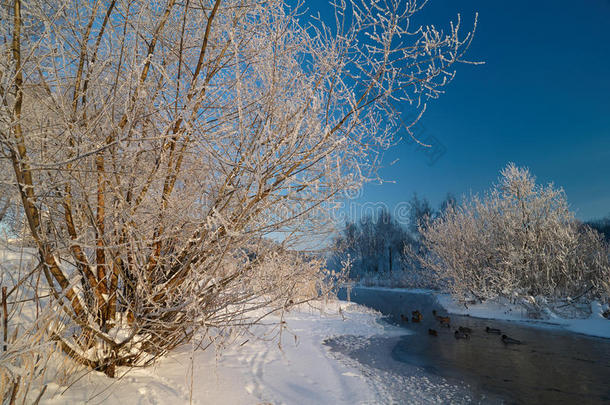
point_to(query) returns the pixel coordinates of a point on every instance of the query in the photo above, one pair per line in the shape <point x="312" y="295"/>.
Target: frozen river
<point x="552" y="366"/>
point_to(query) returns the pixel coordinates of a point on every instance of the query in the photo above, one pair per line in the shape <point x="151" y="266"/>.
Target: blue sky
<point x="541" y="100"/>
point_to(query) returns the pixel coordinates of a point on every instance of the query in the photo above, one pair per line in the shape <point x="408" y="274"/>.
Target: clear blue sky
<point x="541" y="100"/>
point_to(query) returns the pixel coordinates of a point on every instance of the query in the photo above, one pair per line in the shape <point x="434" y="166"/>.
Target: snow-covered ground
<point x="296" y="368"/>
<point x="301" y="370"/>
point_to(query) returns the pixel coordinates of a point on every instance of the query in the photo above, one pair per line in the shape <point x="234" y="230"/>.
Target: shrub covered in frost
<point x="519" y="239"/>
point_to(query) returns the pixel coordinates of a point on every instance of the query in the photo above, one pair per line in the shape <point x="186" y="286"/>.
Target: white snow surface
<point x="301" y="370"/>
<point x="595" y="325"/>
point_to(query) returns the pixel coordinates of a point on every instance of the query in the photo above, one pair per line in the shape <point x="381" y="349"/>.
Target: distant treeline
<point x="519" y="237"/>
<point x="377" y="244"/>
<point x="602" y="226"/>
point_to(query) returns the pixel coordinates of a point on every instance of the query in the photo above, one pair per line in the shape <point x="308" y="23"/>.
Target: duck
<point x="441" y="319"/>
<point x="492" y="330"/>
<point x="432" y="332"/>
<point x="464" y="329"/>
<point x="508" y="340"/>
<point x="417" y="316"/>
<point x="461" y="335"/>
<point x="404" y="318"/>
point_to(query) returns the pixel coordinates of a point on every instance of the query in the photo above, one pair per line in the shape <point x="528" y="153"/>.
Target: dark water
<point x="551" y="367"/>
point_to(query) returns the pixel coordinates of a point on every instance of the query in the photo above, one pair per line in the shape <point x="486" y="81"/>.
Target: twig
<point x="575" y="298"/>
<point x="15" y="385"/>
<point x="4" y="320"/>
<point x="39" y="397"/>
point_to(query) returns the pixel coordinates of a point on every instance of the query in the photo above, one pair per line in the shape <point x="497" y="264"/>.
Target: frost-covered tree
<point x="8" y="198"/>
<point x="602" y="226"/>
<point x="448" y="201"/>
<point x="25" y="347"/>
<point x="420" y="212"/>
<point x="373" y="244"/>
<point x="518" y="239"/>
<point x="156" y="143"/>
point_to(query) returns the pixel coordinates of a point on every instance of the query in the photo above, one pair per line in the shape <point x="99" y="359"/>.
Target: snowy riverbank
<point x="301" y="371"/>
<point x="595" y="324"/>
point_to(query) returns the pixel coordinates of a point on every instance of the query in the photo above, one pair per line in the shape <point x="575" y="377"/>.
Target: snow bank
<point x="294" y="369"/>
<point x="594" y="325"/>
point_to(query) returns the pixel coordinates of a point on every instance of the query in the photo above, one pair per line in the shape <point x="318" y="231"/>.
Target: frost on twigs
<point x="519" y="241"/>
<point x="27" y="321"/>
<point x="157" y="148"/>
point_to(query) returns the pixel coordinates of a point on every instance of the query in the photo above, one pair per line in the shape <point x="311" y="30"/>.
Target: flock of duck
<point x="461" y="332"/>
